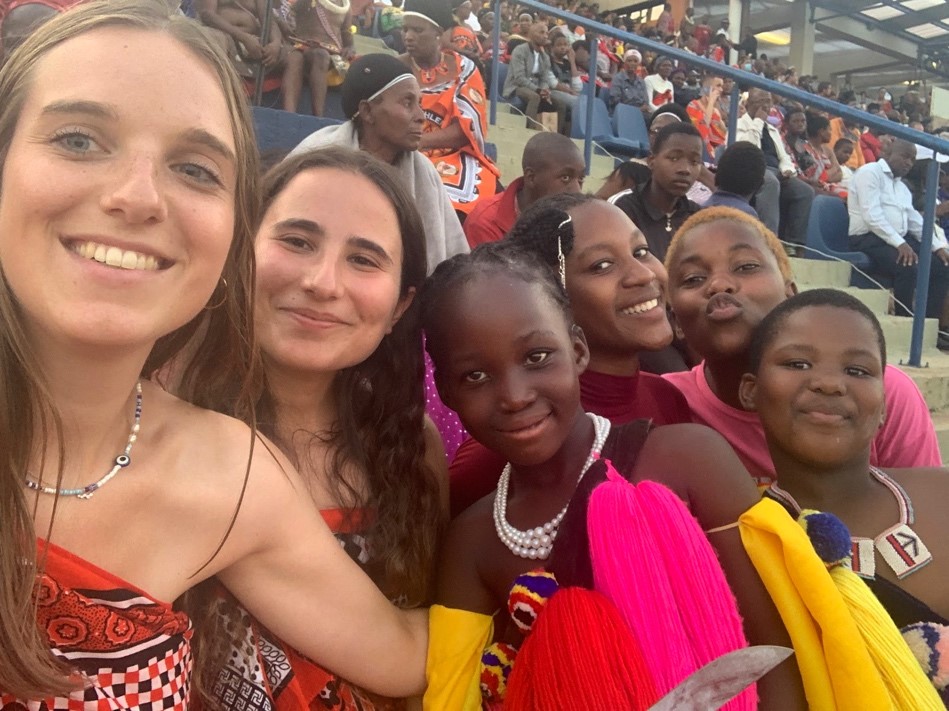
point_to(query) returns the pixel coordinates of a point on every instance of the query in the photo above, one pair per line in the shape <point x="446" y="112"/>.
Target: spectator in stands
<point x="843" y="149"/>
<point x="390" y="25"/>
<point x="240" y="24"/>
<point x="453" y="99"/>
<point x="322" y="46"/>
<point x="784" y="201"/>
<point x="666" y="24"/>
<point x="382" y="100"/>
<point x="826" y="89"/>
<point x="703" y="36"/>
<point x="687" y="23"/>
<point x="627" y="86"/>
<point x="564" y="66"/>
<point x="707" y="118"/>
<point x="847" y="128"/>
<point x="462" y="38"/>
<point x="659" y="207"/>
<point x="628" y="175"/>
<point x="659" y="89"/>
<point x="724" y="101"/>
<point x="824" y="173"/>
<point x="739" y="176"/>
<point x="551" y="163"/>
<point x="682" y="94"/>
<point x="885" y="226"/>
<point x="486" y="20"/>
<point x="748" y="45"/>
<point x="530" y="78"/>
<point x="870" y="144"/>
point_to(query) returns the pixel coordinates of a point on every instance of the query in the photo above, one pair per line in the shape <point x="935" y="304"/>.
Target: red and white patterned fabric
<point x="132" y="651"/>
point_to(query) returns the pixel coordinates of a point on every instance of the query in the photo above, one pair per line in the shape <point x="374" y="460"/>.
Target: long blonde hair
<point x="215" y="350"/>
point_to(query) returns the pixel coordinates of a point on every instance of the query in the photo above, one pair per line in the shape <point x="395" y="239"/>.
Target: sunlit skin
<point x="109" y="150"/>
<point x="724" y="281"/>
<point x="328" y="280"/>
<point x="508" y="362"/>
<point x="819" y="394"/>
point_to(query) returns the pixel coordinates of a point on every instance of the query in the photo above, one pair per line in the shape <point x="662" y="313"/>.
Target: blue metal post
<point x="733" y="114"/>
<point x="925" y="264"/>
<point x="591" y="97"/>
<point x="495" y="62"/>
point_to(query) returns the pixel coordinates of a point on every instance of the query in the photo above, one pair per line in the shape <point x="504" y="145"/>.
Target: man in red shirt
<point x="551" y="164"/>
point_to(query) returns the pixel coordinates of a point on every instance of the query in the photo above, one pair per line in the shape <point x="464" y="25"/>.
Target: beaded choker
<point x="537" y="543"/>
<point x="899" y="545"/>
<point x="121" y="461"/>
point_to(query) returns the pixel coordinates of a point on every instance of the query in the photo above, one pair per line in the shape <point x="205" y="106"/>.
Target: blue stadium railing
<point x="938" y="145"/>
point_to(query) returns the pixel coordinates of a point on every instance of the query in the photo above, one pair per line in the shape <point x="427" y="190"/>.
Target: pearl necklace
<point x="121" y="461"/>
<point x="537" y="543"/>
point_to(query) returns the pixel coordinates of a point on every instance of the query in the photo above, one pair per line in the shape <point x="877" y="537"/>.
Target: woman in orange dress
<point x="455" y="105"/>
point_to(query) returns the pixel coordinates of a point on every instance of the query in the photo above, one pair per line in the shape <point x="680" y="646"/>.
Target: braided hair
<point x="453" y="274"/>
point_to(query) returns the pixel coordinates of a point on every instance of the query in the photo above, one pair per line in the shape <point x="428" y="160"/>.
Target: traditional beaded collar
<point x="900" y="546"/>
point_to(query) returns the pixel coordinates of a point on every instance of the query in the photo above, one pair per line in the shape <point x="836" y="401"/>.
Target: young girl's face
<point x="819" y="387"/>
<point x="508" y="363"/>
<point x="616" y="285"/>
<point x="724" y="281"/>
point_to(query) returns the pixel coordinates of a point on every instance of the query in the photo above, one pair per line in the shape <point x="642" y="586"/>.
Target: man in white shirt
<point x="885" y="226"/>
<point x="784" y="201"/>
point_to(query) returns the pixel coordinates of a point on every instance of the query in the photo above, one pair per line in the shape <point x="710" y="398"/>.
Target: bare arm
<point x="291" y="574"/>
<point x="459" y="584"/>
<point x="451" y="137"/>
<point x="718" y="490"/>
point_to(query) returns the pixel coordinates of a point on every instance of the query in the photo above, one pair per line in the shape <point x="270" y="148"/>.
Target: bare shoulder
<point x="220" y="481"/>
<point x="459" y="580"/>
<point x="701" y="467"/>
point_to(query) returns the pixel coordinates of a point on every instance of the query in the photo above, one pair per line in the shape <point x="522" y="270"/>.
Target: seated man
<point x="885" y="226"/>
<point x="739" y="176"/>
<point x="240" y="23"/>
<point x="531" y="78"/>
<point x="552" y="164"/>
<point x="784" y="200"/>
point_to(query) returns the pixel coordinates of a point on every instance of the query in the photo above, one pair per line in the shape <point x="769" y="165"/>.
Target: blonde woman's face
<point x="117" y="209"/>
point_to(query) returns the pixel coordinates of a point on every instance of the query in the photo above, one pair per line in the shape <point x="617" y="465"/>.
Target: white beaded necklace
<point x="537" y="543"/>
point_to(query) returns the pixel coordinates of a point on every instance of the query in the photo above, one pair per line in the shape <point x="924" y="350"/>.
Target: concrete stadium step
<point x="897" y="330"/>
<point x="877" y="300"/>
<point x="820" y="272"/>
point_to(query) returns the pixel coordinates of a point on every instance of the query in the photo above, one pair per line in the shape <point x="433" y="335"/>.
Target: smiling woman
<point x="342" y="349"/>
<point x="126" y="214"/>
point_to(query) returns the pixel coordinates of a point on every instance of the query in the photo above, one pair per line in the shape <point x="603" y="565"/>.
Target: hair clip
<point x="561" y="260"/>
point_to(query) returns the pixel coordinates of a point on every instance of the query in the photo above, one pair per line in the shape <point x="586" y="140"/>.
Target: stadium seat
<point x="827" y="232"/>
<point x="601" y="130"/>
<point x="628" y="123"/>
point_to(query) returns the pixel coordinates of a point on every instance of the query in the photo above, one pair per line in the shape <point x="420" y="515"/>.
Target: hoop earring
<point x="223" y="299"/>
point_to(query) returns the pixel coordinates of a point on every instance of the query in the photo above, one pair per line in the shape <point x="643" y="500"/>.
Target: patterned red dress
<point x="132" y="650"/>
